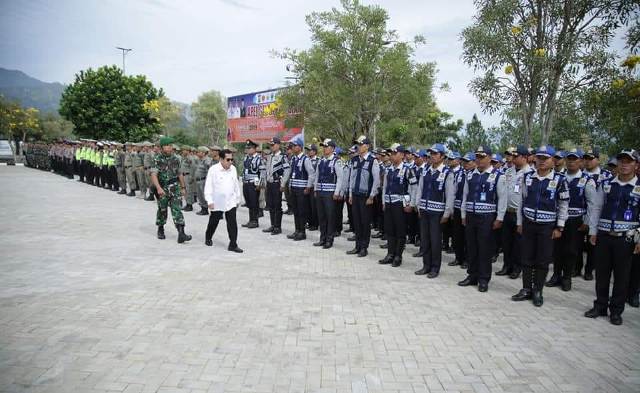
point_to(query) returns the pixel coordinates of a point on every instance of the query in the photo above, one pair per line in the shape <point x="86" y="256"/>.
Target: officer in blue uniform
<point x="591" y="160"/>
<point x="413" y="219"/>
<point x="328" y="189"/>
<point x="434" y="199"/>
<point x="582" y="193"/>
<point x="484" y="203"/>
<point x="253" y="167"/>
<point x="364" y="184"/>
<point x="396" y="202"/>
<point x="497" y="162"/>
<point x="544" y="208"/>
<point x="459" y="242"/>
<point x="613" y="230"/>
<point x="301" y="179"/>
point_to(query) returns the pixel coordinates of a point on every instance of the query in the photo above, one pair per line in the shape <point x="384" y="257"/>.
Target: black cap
<point x="251" y="143"/>
<point x="484" y="149"/>
<point x="274" y="141"/>
<point x="592" y="152"/>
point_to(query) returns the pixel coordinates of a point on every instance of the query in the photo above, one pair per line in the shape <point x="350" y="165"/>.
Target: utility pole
<point x="124" y="52"/>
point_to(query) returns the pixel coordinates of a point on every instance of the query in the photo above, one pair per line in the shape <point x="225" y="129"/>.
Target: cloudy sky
<point x="187" y="47"/>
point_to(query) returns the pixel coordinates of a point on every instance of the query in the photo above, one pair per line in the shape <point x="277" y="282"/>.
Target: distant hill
<point x="30" y="92"/>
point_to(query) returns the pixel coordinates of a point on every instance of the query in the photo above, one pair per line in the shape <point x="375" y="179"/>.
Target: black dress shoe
<point x="524" y="294"/>
<point x="566" y="284"/>
<point x="397" y="261"/>
<point x="376" y="235"/>
<point x="267" y="230"/>
<point x="348" y="230"/>
<point x="502" y="272"/>
<point x="615" y="319"/>
<point x="514" y="275"/>
<point x="419" y="254"/>
<point x="453" y="263"/>
<point x="386" y="260"/>
<point x="236" y="249"/>
<point x="208" y="242"/>
<point x="363" y="253"/>
<point x="246" y="224"/>
<point x="203" y="212"/>
<point x="421" y="272"/>
<point x="327" y="245"/>
<point x="353" y="252"/>
<point x="483" y="287"/>
<point x="188" y="208"/>
<point x="276" y="231"/>
<point x="252" y="225"/>
<point x="351" y="238"/>
<point x="300" y="236"/>
<point x="313" y="228"/>
<point x="467" y="282"/>
<point x="537" y="298"/>
<point x="634" y="301"/>
<point x="384" y="246"/>
<point x="554" y="281"/>
<point x="292" y="236"/>
<point x="595" y="313"/>
<point x="432" y="274"/>
<point x="588" y="276"/>
<point x="319" y="244"/>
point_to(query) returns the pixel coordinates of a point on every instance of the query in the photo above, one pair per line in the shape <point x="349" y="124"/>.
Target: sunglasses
<point x="228" y="159"/>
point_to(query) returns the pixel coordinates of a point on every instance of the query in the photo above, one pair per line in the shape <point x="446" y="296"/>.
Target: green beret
<point x="166" y="140"/>
<point x="203" y="149"/>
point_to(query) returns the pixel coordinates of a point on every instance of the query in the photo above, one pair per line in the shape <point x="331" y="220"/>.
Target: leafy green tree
<point x="106" y="104"/>
<point x="357" y="76"/>
<point x="535" y="54"/>
<point x="53" y="127"/>
<point x="210" y="118"/>
<point x="474" y="135"/>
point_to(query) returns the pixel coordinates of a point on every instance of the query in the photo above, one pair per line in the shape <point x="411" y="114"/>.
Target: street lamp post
<point x="124" y="52"/>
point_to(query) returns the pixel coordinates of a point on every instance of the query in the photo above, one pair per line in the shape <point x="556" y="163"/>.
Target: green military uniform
<point x="186" y="168"/>
<point x="202" y="166"/>
<point x="166" y="167"/>
<point x="147" y="161"/>
<point x="138" y="165"/>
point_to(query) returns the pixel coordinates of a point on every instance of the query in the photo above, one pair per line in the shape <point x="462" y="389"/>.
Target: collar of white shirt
<point x="549" y="175"/>
<point x="632" y="182"/>
<point x="490" y="169"/>
<point x="571" y="177"/>
<point x="439" y="168"/>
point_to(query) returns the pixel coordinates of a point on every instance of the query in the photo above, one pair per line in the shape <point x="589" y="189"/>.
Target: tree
<point x="535" y="54"/>
<point x="474" y="135"/>
<point x="54" y="127"/>
<point x="210" y="118"/>
<point x="357" y="75"/>
<point x="106" y="104"/>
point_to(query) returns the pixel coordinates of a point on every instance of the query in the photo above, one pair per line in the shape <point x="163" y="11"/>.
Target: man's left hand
<point x="369" y="201"/>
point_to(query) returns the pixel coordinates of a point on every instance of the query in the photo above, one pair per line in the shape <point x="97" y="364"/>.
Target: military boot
<point x="182" y="237"/>
<point x="161" y="232"/>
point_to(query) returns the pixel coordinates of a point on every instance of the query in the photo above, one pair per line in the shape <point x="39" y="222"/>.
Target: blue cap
<point x="328" y="143"/>
<point x="454" y="155"/>
<point x="438" y="148"/>
<point x="483" y="149"/>
<point x="497" y="157"/>
<point x="469" y="156"/>
<point x="612" y="162"/>
<point x="274" y="141"/>
<point x="545" y="150"/>
<point x="628" y="153"/>
<point x="397" y="148"/>
<point x="592" y="152"/>
<point x="575" y="152"/>
<point x="521" y="150"/>
<point x="338" y="150"/>
<point x="560" y="154"/>
<point x="423" y="153"/>
<point x="410" y="149"/>
<point x="362" y="140"/>
<point x="297" y="142"/>
<point x="353" y="149"/>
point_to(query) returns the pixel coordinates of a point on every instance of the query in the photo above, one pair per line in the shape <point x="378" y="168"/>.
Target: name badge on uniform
<point x="483" y="197"/>
<point x="491" y="178"/>
<point x="528" y="182"/>
<point x="606" y="188"/>
<point x="552" y="185"/>
<point x="516" y="188"/>
<point x="582" y="182"/>
<point x="628" y="215"/>
<point x="441" y="177"/>
<point x="636" y="190"/>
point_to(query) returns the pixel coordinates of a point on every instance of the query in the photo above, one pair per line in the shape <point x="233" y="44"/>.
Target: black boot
<point x="131" y="193"/>
<point x="188" y="207"/>
<point x="397" y="259"/>
<point x="203" y="211"/>
<point x="161" y="232"/>
<point x="182" y="237"/>
<point x="554" y="281"/>
<point x="150" y="197"/>
<point x="537" y="296"/>
<point x="540" y="277"/>
<point x="502" y="272"/>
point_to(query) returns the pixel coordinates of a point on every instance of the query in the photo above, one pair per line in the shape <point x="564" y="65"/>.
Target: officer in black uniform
<point x="544" y="205"/>
<point x="613" y="230"/>
<point x="328" y="190"/>
<point x="275" y="178"/>
<point x="582" y="193"/>
<point x="484" y="203"/>
<point x="396" y="202"/>
<point x="251" y="182"/>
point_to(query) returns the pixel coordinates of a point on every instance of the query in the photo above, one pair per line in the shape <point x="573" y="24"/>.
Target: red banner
<point x="259" y="129"/>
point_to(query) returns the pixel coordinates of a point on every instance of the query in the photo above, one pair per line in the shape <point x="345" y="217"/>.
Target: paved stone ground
<point x="90" y="301"/>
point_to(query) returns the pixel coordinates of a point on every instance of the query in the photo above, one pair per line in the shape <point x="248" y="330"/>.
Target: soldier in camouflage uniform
<point x="169" y="184"/>
<point x="203" y="163"/>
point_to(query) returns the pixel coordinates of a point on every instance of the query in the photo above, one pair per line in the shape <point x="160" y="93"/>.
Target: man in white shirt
<point x="222" y="193"/>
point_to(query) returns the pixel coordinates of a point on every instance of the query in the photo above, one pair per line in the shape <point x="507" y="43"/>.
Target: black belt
<point x="512" y="210"/>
